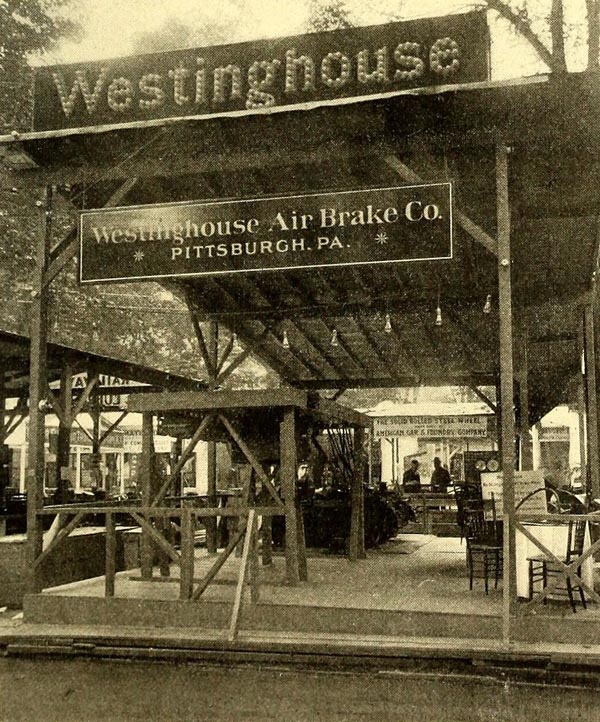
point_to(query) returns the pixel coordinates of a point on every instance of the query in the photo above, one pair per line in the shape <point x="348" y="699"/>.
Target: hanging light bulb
<point x="334" y="338"/>
<point x="388" y="323"/>
<point x="285" y="342"/>
<point x="234" y="338"/>
<point x="95" y="334"/>
<point x="55" y="326"/>
<point x="488" y="304"/>
<point x="438" y="315"/>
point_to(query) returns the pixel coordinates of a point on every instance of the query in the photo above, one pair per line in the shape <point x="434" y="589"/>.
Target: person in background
<point x="411" y="479"/>
<point x="440" y="478"/>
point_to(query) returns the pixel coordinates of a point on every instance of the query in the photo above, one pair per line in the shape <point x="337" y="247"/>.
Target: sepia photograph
<point x="299" y="361"/>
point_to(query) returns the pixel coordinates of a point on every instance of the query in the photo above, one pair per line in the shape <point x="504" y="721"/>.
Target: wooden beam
<point x="186" y="577"/>
<point x="216" y="400"/>
<point x="115" y="424"/>
<point x="288" y="470"/>
<point x="509" y="591"/>
<point x="110" y="556"/>
<point x="357" y="529"/>
<point x="64" y="251"/>
<point x="475" y="231"/>
<point x="593" y="450"/>
<point x="221" y="559"/>
<point x="187" y="454"/>
<point x="85" y="395"/>
<point x="254" y="462"/>
<point x="146" y="471"/>
<point x="486" y="400"/>
<point x="239" y="592"/>
<point x="38" y="358"/>
<point x="526" y="452"/>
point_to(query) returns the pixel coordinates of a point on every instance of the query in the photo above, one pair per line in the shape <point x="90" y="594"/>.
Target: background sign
<point x="254" y="76"/>
<point x="383" y="225"/>
<point x="450" y="427"/>
<point x="525" y="483"/>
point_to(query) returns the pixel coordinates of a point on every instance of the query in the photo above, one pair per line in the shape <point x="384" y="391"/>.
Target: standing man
<point x="440" y="478"/>
<point x="411" y="480"/>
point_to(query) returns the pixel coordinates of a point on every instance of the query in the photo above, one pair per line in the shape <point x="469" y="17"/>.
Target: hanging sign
<point x="382" y="225"/>
<point x="251" y="77"/>
<point x="429" y="427"/>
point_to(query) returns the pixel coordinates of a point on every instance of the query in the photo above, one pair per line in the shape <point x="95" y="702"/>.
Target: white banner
<point x="443" y="427"/>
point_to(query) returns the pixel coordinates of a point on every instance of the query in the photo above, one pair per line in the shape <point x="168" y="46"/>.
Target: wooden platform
<point x="416" y="587"/>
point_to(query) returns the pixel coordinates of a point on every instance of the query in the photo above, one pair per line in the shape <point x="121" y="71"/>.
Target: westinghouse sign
<point x="251" y="77"/>
<point x="381" y="225"/>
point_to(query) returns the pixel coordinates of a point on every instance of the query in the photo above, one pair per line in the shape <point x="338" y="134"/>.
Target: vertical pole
<point x="357" y="529"/>
<point x="37" y="395"/>
<point x="592" y="402"/>
<point x="581" y="409"/>
<point x="526" y="455"/>
<point x="96" y="454"/>
<point x="146" y="549"/>
<point x="111" y="551"/>
<point x="211" y="462"/>
<point x="176" y="451"/>
<point x="509" y="591"/>
<point x="4" y="465"/>
<point x="287" y="442"/>
<point x="63" y="442"/>
<point x="187" y="554"/>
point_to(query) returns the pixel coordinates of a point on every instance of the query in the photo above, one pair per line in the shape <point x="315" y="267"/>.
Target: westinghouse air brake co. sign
<point x="363" y="227"/>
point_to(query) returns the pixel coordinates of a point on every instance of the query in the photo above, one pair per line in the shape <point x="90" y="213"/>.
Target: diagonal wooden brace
<point x="158" y="538"/>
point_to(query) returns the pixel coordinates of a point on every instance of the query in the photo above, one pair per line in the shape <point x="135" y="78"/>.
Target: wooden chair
<point x="541" y="568"/>
<point x="484" y="545"/>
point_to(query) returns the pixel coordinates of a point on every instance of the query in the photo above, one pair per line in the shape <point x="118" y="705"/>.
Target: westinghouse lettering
<point x="405" y="223"/>
<point x="264" y="74"/>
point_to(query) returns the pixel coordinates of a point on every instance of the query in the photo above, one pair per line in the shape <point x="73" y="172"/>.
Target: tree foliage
<point x="27" y="27"/>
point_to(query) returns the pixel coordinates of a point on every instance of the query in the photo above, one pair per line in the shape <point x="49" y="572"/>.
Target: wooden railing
<point x="563" y="571"/>
<point x="154" y="522"/>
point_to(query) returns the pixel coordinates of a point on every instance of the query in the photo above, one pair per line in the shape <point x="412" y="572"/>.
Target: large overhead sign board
<point x="349" y="228"/>
<point x="265" y="75"/>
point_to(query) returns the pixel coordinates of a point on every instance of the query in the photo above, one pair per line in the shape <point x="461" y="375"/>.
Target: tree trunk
<point x="557" y="31"/>
<point x="593" y="24"/>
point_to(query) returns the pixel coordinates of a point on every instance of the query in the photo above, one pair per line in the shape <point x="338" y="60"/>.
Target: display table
<point x="554" y="538"/>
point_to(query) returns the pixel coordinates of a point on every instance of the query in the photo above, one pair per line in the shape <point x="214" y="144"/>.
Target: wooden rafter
<point x="468" y="225"/>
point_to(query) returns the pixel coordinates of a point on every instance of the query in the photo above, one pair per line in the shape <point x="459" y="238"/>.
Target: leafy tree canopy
<point x="27" y="27"/>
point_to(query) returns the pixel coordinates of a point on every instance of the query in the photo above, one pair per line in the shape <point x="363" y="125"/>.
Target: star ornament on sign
<point x="381" y="238"/>
<point x="138" y="255"/>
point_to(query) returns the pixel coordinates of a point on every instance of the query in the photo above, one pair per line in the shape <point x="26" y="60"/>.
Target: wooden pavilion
<point x="522" y="158"/>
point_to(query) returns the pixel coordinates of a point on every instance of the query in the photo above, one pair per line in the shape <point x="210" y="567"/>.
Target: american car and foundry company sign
<point x="359" y="227"/>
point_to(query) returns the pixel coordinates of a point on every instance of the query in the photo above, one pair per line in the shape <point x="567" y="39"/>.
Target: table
<point x="553" y="537"/>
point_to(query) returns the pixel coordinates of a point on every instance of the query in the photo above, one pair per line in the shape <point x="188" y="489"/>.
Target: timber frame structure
<point x="523" y="158"/>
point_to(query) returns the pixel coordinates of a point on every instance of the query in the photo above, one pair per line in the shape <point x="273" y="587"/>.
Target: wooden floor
<point x="414" y="585"/>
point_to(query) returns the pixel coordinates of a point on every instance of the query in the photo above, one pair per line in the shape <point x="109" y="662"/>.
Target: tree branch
<point x="524" y="28"/>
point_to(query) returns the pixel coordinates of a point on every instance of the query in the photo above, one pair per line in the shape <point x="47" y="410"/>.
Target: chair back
<point x="481" y="530"/>
<point x="576" y="539"/>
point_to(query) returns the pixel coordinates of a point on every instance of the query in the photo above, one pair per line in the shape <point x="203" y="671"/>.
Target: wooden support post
<point x="96" y="439"/>
<point x="146" y="473"/>
<point x="111" y="551"/>
<point x="65" y="423"/>
<point x="357" y="528"/>
<point x="581" y="410"/>
<point x="509" y="591"/>
<point x="593" y="453"/>
<point x="38" y="385"/>
<point x="176" y="451"/>
<point x="526" y="451"/>
<point x="187" y="554"/>
<point x="288" y="467"/>
<point x="267" y="540"/>
<point x="254" y="571"/>
<point x="211" y="461"/>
